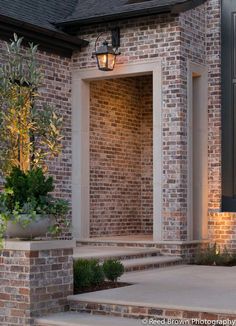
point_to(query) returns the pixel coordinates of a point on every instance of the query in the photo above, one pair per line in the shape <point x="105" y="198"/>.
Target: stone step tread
<point x="84" y="319"/>
<point x="89" y="252"/>
<point x="118" y="243"/>
<point x="150" y="261"/>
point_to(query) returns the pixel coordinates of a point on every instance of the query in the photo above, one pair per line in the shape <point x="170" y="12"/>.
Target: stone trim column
<point x="35" y="279"/>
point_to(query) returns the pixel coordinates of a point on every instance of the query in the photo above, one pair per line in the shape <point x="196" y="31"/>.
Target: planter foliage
<point x="30" y="136"/>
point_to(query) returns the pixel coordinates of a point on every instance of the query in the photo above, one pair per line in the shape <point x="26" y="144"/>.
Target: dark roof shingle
<point x="41" y="13"/>
<point x="94" y="10"/>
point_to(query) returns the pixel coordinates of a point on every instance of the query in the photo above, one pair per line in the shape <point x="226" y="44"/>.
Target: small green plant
<point x="207" y="256"/>
<point x="223" y="258"/>
<point x="113" y="269"/>
<point x="97" y="272"/>
<point x="213" y="255"/>
<point x="82" y="274"/>
<point x="87" y="273"/>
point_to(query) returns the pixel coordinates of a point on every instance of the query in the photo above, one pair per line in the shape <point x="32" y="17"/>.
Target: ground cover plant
<point x="213" y="255"/>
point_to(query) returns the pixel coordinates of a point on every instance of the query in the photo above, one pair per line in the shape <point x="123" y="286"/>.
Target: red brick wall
<point x="121" y="156"/>
<point x="213" y="52"/>
<point x="146" y="95"/>
<point x="222" y="229"/>
<point x="33" y="284"/>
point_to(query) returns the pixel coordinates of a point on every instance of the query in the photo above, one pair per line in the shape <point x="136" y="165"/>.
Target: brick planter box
<point x="35" y="279"/>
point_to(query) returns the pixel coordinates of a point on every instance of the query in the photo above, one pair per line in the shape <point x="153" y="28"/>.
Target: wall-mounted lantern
<point x="106" y="54"/>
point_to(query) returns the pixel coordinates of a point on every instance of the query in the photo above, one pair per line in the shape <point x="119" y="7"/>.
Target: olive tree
<point x="30" y="132"/>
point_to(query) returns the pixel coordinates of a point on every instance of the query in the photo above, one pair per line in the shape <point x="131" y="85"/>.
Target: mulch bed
<point x="103" y="286"/>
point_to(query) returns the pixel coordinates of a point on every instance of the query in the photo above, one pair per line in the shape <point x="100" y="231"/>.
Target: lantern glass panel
<point x="102" y="61"/>
<point x="111" y="60"/>
<point x="106" y="62"/>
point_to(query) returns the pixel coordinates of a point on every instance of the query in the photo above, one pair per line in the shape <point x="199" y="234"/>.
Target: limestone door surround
<point x="80" y="141"/>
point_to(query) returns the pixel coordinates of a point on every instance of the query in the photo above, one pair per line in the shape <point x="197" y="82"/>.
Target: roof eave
<point x="173" y="9"/>
<point x="46" y="38"/>
<point x="112" y="17"/>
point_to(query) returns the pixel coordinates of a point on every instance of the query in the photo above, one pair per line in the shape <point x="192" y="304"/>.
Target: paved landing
<point x="195" y="288"/>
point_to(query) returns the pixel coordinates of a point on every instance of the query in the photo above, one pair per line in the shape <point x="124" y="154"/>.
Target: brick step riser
<point x="152" y="266"/>
<point x="139" y="312"/>
<point x="123" y="257"/>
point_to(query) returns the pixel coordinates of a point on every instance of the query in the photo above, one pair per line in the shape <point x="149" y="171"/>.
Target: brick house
<point x="148" y="148"/>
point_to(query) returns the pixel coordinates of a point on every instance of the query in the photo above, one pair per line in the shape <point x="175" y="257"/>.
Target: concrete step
<point x="138" y="264"/>
<point x="105" y="252"/>
<point x="84" y="319"/>
<point x="118" y="243"/>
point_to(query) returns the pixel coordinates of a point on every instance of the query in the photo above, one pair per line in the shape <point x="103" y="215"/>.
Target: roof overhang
<point x="49" y="40"/>
<point x="172" y="9"/>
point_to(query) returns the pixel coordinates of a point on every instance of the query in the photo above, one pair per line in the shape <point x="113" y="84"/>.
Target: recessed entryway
<point x="117" y="161"/>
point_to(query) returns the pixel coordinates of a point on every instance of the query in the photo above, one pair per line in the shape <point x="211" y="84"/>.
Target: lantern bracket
<point x="115" y="37"/>
<point x="115" y="41"/>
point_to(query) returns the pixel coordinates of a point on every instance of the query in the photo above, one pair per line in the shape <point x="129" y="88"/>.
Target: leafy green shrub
<point x="113" y="269"/>
<point x="87" y="273"/>
<point x="97" y="272"/>
<point x="82" y="274"/>
<point x="26" y="192"/>
<point x="30" y="186"/>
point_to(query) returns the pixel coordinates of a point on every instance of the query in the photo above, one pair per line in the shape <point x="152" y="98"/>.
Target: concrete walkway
<point x="195" y="288"/>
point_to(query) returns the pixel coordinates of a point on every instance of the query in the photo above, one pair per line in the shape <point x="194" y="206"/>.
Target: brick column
<point x="35" y="279"/>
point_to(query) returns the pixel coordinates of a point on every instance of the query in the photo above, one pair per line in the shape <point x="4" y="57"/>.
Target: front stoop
<point x="83" y="319"/>
<point x="184" y="249"/>
<point x="133" y="259"/>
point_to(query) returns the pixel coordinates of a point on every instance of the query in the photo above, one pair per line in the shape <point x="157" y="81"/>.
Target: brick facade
<point x="175" y="39"/>
<point x="194" y="36"/>
<point x="34" y="282"/>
